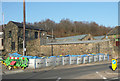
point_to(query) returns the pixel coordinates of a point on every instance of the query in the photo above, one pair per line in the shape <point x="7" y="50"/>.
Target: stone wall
<point x="8" y="40"/>
<point x="113" y="36"/>
<point x="16" y="38"/>
<point x="74" y="49"/>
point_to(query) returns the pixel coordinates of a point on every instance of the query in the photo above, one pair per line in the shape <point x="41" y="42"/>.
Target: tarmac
<point x="14" y="71"/>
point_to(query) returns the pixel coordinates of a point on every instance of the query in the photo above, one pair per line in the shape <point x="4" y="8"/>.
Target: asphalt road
<point x="69" y="73"/>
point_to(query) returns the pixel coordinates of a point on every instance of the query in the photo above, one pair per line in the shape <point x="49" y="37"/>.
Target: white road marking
<point x="58" y="78"/>
<point x="101" y="75"/>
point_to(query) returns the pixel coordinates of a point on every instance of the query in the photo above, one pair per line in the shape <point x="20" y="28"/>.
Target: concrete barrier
<point x="96" y="58"/>
<point x="73" y="60"/>
<point x="105" y="57"/>
<point x="58" y="61"/>
<point x="50" y="61"/>
<point x="101" y="57"/>
<point x="65" y="60"/>
<point x="40" y="63"/>
<point x="79" y="60"/>
<point x="85" y="59"/>
<point x="91" y="58"/>
<point x="32" y="63"/>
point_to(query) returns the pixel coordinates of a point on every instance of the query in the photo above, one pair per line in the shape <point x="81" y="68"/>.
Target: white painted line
<point x="101" y="75"/>
<point x="58" y="78"/>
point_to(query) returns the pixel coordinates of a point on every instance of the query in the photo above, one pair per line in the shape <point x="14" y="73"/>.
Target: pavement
<point x="99" y="70"/>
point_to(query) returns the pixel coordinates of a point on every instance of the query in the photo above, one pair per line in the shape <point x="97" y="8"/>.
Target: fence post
<point x="108" y="56"/>
<point x="83" y="60"/>
<point x="35" y="63"/>
<point x="77" y="60"/>
<point x="46" y="62"/>
<point x="88" y="59"/>
<point x="103" y="57"/>
<point x="69" y="59"/>
<point x="62" y="60"/>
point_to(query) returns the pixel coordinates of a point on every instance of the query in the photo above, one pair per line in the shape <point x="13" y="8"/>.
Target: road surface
<point x="68" y="73"/>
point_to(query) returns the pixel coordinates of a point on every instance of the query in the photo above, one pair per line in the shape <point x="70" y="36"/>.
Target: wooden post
<point x="24" y="42"/>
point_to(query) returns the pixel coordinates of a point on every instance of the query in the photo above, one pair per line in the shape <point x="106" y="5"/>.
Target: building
<point x="13" y="35"/>
<point x="1" y="40"/>
<point x="38" y="43"/>
<point x="100" y="37"/>
<point x="75" y="38"/>
<point x="50" y="38"/>
<point x="115" y="35"/>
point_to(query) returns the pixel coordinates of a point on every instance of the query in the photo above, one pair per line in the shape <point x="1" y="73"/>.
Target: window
<point x="26" y="34"/>
<point x="20" y="46"/>
<point x="118" y="39"/>
<point x="2" y="42"/>
<point x="89" y="39"/>
<point x="10" y="34"/>
<point x="36" y="35"/>
<point x="13" y="46"/>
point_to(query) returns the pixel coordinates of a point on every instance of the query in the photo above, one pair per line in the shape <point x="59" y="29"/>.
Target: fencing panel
<point x="79" y="60"/>
<point x="73" y="60"/>
<point x="65" y="60"/>
<point x="40" y="63"/>
<point x="101" y="57"/>
<point x="96" y="58"/>
<point x="91" y="58"/>
<point x="32" y="63"/>
<point x="58" y="61"/>
<point x="105" y="57"/>
<point x="50" y="61"/>
<point x="85" y="59"/>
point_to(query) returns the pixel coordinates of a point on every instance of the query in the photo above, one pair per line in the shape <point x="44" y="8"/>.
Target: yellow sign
<point x="114" y="64"/>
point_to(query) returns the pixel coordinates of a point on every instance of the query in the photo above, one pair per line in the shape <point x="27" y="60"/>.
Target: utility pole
<point x="3" y="20"/>
<point x="24" y="42"/>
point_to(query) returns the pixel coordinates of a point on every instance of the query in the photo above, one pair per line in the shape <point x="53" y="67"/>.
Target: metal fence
<point x="66" y="60"/>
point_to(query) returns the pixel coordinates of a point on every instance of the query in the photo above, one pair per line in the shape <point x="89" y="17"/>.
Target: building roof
<point x="99" y="37"/>
<point x="50" y="36"/>
<point x="77" y="42"/>
<point x="72" y="38"/>
<point x="20" y="25"/>
<point x="115" y="31"/>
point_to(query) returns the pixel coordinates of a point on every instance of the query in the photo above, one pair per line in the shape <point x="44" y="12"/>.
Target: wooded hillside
<point x="67" y="27"/>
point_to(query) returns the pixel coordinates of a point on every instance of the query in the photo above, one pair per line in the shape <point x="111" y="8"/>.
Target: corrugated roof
<point x="98" y="37"/>
<point x="72" y="38"/>
<point x="77" y="42"/>
<point x="20" y="25"/>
